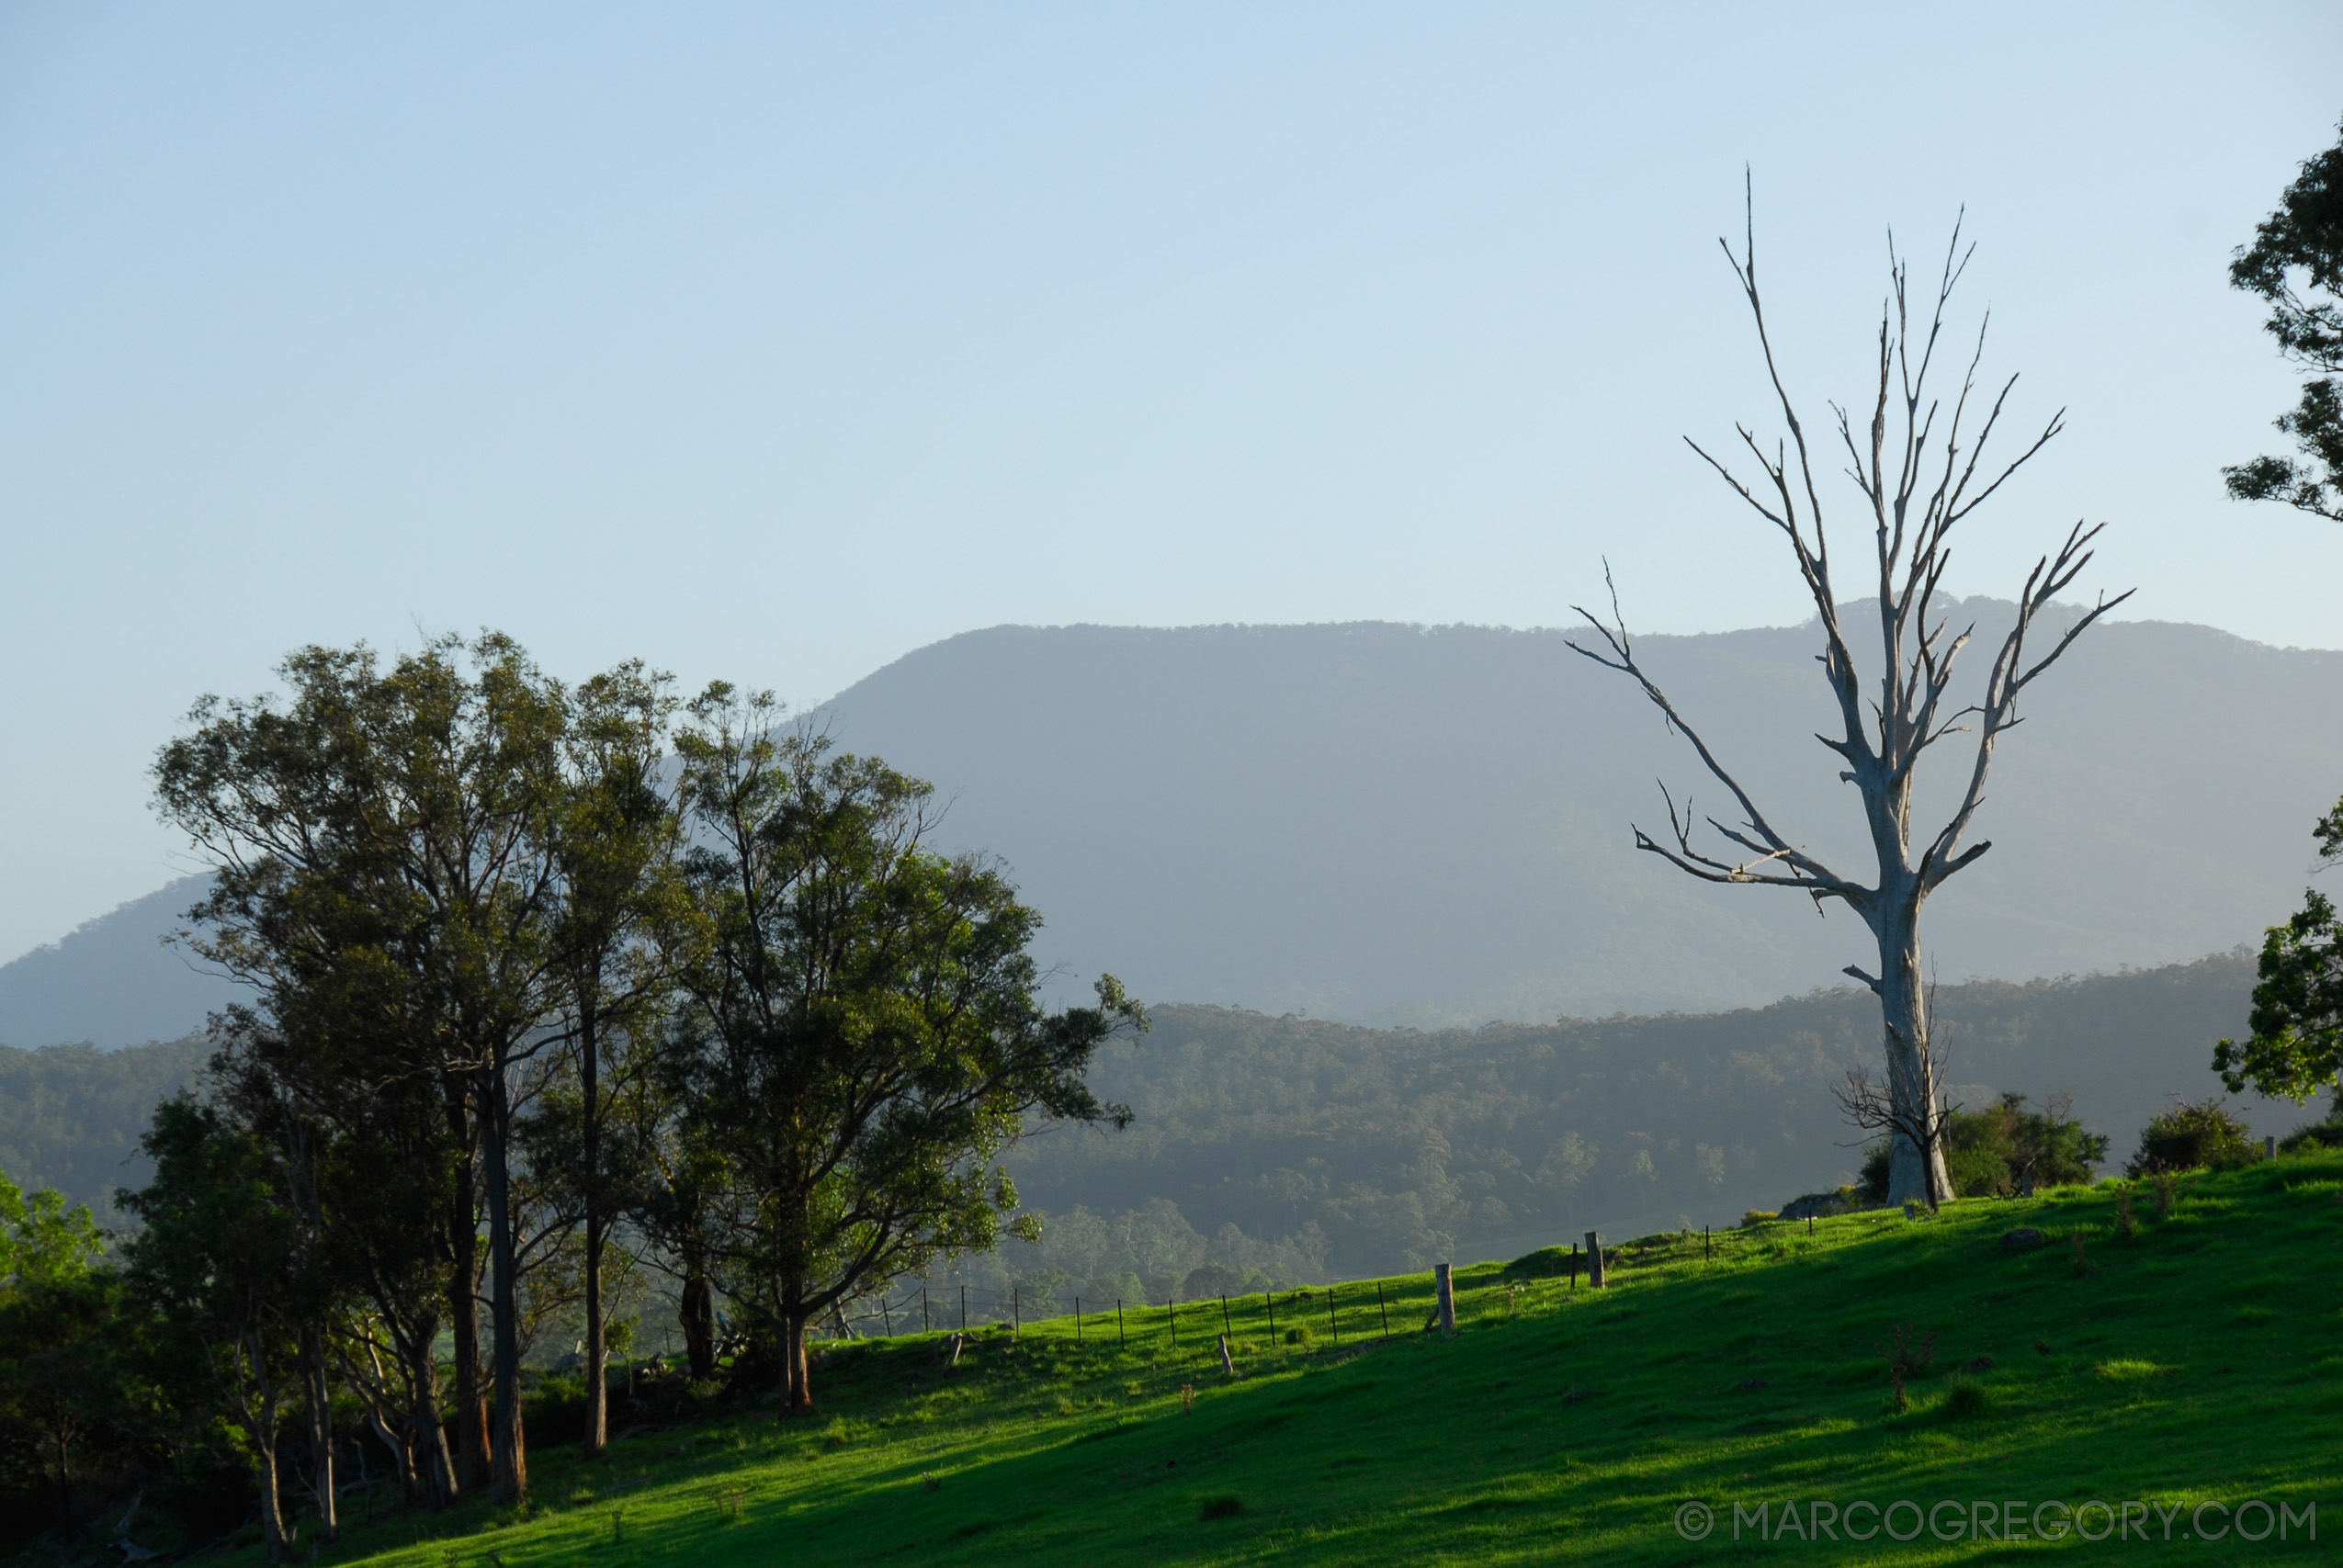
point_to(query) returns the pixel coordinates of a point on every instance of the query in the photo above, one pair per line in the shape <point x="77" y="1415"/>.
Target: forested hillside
<point x="1377" y="1149"/>
<point x="1337" y="1150"/>
<point x="71" y="1115"/>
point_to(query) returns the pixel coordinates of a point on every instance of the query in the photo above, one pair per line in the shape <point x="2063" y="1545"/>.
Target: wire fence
<point x="1338" y="1313"/>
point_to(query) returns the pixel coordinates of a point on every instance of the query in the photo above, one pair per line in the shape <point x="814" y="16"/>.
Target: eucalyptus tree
<point x="619" y="917"/>
<point x="1918" y="474"/>
<point x="865" y="1037"/>
<point x="2296" y="1046"/>
<point x="340" y="1030"/>
<point x="424" y="798"/>
<point x="219" y="1258"/>
<point x="2295" y="264"/>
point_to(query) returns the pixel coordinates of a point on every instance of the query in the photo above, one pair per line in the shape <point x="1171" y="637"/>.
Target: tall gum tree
<point x="1920" y="476"/>
<point x="864" y="1023"/>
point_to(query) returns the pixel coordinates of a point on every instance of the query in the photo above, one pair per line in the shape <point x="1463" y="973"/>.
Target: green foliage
<point x="1996" y="1152"/>
<point x="2296" y="1047"/>
<point x="2194" y="1135"/>
<point x="2296" y="265"/>
<point x="41" y="1242"/>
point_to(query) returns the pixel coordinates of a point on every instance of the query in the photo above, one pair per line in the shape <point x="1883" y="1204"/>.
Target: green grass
<point x="2193" y="1360"/>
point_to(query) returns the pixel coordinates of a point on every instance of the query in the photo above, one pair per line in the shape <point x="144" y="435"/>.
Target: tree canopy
<point x="2295" y="264"/>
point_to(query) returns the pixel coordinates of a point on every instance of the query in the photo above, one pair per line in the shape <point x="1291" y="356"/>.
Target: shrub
<point x="1299" y="1336"/>
<point x="2194" y="1135"/>
<point x="1994" y="1152"/>
<point x="1967" y="1398"/>
<point x="2326" y="1135"/>
<point x="1757" y="1217"/>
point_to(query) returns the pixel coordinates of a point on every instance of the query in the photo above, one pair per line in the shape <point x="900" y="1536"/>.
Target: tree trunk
<point x="799" y="1398"/>
<point x="321" y="1433"/>
<point x="463" y="1301"/>
<point x="1915" y="1175"/>
<point x="597" y="1356"/>
<point x="697" y="1310"/>
<point x="431" y="1437"/>
<point x="510" y="1482"/>
<point x="272" y="1512"/>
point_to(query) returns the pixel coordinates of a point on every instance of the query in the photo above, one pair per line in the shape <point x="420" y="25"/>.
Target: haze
<point x="774" y="344"/>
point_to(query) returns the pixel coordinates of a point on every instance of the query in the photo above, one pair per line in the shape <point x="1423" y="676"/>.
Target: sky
<point x="771" y="343"/>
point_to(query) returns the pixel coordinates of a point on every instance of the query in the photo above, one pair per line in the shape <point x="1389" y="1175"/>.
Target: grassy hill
<point x="2195" y="1360"/>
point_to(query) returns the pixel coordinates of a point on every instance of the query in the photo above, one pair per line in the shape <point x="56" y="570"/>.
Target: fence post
<point x="1705" y="1253"/>
<point x="1078" y="1320"/>
<point x="1380" y="1310"/>
<point x="1594" y="1259"/>
<point x="1332" y="1327"/>
<point x="885" y="1316"/>
<point x="1443" y="1284"/>
<point x="923" y="1309"/>
<point x="1225" y="1329"/>
<point x="964" y="1309"/>
<point x="1227" y="1363"/>
<point x="1271" y="1298"/>
<point x="1119" y="1341"/>
<point x="1016" y="1311"/>
<point x="1171" y="1317"/>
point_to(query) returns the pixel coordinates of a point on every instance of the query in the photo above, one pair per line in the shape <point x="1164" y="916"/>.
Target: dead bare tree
<point x="1914" y="508"/>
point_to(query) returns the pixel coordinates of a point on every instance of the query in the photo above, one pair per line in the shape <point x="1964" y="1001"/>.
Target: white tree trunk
<point x="1914" y="1175"/>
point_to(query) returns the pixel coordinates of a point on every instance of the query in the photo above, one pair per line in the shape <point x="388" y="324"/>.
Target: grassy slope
<point x="2194" y="1359"/>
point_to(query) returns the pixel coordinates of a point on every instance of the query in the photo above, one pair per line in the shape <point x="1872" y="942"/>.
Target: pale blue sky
<point x="774" y="342"/>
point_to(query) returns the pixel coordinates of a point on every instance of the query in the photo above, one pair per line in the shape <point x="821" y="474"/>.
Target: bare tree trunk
<point x="511" y="1476"/>
<point x="321" y="1433"/>
<point x="1915" y="1173"/>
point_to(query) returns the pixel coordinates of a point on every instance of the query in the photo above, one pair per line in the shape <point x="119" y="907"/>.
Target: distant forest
<point x="1300" y="1149"/>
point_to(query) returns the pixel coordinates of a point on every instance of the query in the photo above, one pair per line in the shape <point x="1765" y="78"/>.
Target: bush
<point x="1967" y="1398"/>
<point x="1992" y="1153"/>
<point x="2326" y="1135"/>
<point x="1756" y="1217"/>
<point x="2194" y="1135"/>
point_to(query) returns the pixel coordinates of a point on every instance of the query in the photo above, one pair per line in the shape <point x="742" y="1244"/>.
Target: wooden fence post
<point x="1120" y="1342"/>
<point x="1382" y="1310"/>
<point x="924" y="1324"/>
<point x="1271" y="1299"/>
<point x="1225" y="1328"/>
<point x="1594" y="1259"/>
<point x="1016" y="1311"/>
<point x="1443" y="1283"/>
<point x="1227" y="1363"/>
<point x="1171" y="1315"/>
<point x="1078" y="1320"/>
<point x="1332" y="1327"/>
